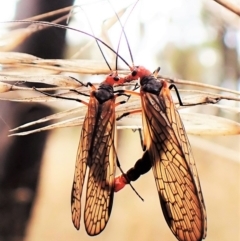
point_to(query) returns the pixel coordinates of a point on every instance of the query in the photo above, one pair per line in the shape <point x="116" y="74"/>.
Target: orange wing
<point x="173" y="167"/>
<point x="96" y="150"/>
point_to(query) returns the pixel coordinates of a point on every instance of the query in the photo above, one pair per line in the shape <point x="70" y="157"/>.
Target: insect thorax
<point x="104" y="93"/>
<point x="151" y="84"/>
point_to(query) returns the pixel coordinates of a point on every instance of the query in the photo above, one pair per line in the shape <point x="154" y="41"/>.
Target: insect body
<point x="169" y="154"/>
<point x="97" y="151"/>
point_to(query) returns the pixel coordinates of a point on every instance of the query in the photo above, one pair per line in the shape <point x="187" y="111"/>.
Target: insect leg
<point x="123" y="101"/>
<point x="130" y="92"/>
<point x="141" y="139"/>
<point x="61" y="97"/>
<point x="74" y="90"/>
<point x="86" y="85"/>
<point x="172" y="86"/>
<point x="155" y="72"/>
<point x="129" y="113"/>
<point x="117" y="160"/>
<point x="119" y="181"/>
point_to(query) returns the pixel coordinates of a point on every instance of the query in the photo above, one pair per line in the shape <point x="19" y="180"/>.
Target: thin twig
<point x="202" y="85"/>
<point x="230" y="6"/>
<point x="42" y="16"/>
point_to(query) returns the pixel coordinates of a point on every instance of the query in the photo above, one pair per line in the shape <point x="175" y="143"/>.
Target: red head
<point x="113" y="79"/>
<point x="138" y="72"/>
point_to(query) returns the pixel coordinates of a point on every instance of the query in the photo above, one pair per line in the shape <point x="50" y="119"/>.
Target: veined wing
<point x="82" y="160"/>
<point x="101" y="162"/>
<point x="173" y="167"/>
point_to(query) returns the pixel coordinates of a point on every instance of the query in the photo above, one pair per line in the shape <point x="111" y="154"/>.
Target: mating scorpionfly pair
<point x="166" y="150"/>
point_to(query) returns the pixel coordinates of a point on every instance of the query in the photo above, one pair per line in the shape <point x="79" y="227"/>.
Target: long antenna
<point x="123" y="32"/>
<point x="96" y="39"/>
<point x="69" y="28"/>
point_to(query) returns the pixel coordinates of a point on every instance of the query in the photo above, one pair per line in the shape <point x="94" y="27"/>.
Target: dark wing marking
<point x="173" y="167"/>
<point x="100" y="185"/>
<point x="81" y="161"/>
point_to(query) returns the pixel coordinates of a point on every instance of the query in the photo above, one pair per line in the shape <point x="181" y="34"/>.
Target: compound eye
<point x="134" y="73"/>
<point x="116" y="78"/>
